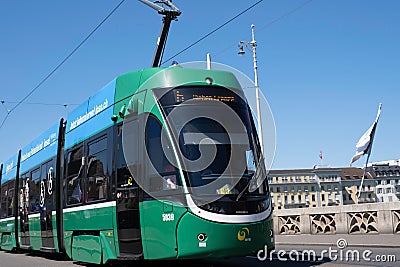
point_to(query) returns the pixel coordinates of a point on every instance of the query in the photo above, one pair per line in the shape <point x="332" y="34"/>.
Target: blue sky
<point x="323" y="69"/>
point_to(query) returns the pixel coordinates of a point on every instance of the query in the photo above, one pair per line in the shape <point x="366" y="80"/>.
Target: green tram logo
<point x="244" y="234"/>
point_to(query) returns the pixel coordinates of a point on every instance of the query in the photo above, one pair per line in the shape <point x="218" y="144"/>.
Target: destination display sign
<point x="183" y="94"/>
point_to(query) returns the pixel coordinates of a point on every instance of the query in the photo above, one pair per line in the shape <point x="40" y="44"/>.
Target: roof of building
<point x="353" y="173"/>
<point x="393" y="162"/>
<point x="294" y="171"/>
<point x="346" y="173"/>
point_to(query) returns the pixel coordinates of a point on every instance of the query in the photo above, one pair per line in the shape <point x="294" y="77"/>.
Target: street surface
<point x="390" y="256"/>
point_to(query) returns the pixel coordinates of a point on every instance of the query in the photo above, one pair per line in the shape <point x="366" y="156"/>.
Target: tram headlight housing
<point x="263" y="205"/>
<point x="213" y="207"/>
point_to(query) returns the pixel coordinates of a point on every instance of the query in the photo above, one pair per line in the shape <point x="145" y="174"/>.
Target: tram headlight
<point x="213" y="207"/>
<point x="201" y="237"/>
<point x="209" y="80"/>
<point x="263" y="205"/>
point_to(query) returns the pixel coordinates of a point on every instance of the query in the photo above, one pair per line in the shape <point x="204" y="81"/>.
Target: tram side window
<point x="97" y="178"/>
<point x="23" y="194"/>
<point x="7" y="199"/>
<point x="11" y="203"/>
<point x="127" y="156"/>
<point x="74" y="176"/>
<point x="47" y="178"/>
<point x="127" y="187"/>
<point x="3" y="201"/>
<point x="34" y="191"/>
<point x="159" y="164"/>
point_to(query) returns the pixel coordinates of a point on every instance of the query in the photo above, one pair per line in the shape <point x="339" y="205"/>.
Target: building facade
<point x="302" y="188"/>
<point x="293" y="188"/>
<point x="351" y="182"/>
<point x="387" y="177"/>
<point x="320" y="187"/>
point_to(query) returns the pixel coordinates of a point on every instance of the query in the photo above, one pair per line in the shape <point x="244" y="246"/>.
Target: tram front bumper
<point x="197" y="237"/>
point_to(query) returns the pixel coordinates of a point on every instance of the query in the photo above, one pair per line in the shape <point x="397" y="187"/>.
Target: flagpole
<point x="366" y="150"/>
<point x="320" y="156"/>
<point x="362" y="178"/>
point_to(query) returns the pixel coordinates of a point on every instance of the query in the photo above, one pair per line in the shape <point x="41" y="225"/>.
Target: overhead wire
<point x="9" y="111"/>
<point x="281" y="17"/>
<point x="39" y="103"/>
<point x="212" y="32"/>
<point x="284" y="15"/>
<point x="61" y="63"/>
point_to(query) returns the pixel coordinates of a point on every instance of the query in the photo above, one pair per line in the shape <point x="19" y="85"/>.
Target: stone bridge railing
<point x="364" y="219"/>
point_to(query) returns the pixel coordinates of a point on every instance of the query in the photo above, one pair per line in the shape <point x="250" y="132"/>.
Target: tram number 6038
<point x="167" y="217"/>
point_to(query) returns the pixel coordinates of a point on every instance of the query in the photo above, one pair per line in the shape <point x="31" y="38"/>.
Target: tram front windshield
<point x="217" y="140"/>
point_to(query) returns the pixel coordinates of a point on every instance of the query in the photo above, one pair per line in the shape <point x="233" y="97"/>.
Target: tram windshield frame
<point x="239" y="182"/>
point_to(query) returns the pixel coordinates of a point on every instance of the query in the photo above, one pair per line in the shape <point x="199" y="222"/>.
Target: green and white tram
<point x="118" y="179"/>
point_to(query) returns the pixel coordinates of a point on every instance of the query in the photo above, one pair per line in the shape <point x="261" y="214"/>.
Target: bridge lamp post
<point x="252" y="45"/>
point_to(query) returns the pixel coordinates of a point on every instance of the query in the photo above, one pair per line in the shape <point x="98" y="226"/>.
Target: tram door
<point x="128" y="192"/>
<point x="47" y="203"/>
<point x="24" y="211"/>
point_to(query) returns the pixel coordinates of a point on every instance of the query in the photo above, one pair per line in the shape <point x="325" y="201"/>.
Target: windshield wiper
<point x="210" y="176"/>
<point x="250" y="177"/>
<point x="244" y="189"/>
<point x="260" y="171"/>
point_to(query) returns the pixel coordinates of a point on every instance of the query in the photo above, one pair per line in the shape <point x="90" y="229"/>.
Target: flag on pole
<point x="364" y="145"/>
